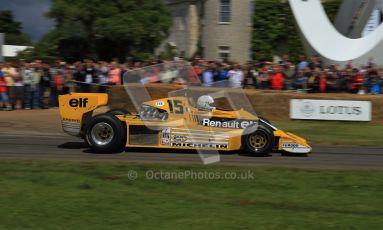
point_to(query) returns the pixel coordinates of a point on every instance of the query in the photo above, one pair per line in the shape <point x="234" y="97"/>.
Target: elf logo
<point x="78" y="102"/>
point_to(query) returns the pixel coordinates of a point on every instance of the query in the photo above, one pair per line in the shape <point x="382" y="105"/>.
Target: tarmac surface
<point x="24" y="136"/>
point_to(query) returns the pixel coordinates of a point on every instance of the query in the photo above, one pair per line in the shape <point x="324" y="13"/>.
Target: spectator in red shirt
<point x="357" y="82"/>
<point x="277" y="80"/>
<point x="197" y="68"/>
<point x="322" y="82"/>
<point x="3" y="92"/>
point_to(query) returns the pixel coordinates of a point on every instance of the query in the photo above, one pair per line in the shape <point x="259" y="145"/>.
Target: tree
<point x="12" y="29"/>
<point x="100" y="29"/>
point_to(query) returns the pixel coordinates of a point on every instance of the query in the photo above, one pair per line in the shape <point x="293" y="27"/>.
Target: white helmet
<point x="205" y="103"/>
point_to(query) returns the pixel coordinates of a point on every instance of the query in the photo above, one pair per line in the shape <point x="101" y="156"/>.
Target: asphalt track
<point x="62" y="147"/>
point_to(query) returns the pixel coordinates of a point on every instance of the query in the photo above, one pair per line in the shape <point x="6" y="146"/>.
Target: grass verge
<point x="74" y="195"/>
<point x="336" y="133"/>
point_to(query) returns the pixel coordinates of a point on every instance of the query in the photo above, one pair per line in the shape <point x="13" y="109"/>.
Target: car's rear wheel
<point x="105" y="133"/>
<point x="259" y="142"/>
<point x="118" y="112"/>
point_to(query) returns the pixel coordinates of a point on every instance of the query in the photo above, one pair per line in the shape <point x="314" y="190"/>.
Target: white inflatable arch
<point x="322" y="36"/>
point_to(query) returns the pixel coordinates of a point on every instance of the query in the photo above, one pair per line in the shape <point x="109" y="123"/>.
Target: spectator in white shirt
<point x="236" y="76"/>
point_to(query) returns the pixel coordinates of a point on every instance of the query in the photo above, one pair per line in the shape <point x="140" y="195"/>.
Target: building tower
<point x="212" y="29"/>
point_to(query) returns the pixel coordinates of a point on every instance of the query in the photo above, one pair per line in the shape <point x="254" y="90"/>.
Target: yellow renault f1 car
<point x="174" y="123"/>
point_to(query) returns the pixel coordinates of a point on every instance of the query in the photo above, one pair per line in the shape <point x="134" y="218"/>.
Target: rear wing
<point x="76" y="108"/>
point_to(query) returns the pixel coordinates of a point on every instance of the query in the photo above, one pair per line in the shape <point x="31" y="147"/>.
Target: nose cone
<point x="294" y="144"/>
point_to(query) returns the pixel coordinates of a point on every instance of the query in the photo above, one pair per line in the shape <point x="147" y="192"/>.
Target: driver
<point x="205" y="103"/>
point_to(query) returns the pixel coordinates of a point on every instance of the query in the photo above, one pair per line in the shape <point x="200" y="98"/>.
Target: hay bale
<point x="274" y="105"/>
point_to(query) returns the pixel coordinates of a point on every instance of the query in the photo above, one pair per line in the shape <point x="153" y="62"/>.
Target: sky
<point x="31" y="14"/>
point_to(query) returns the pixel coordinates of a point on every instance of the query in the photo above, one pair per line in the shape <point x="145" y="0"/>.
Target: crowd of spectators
<point x="307" y="76"/>
<point x="31" y="85"/>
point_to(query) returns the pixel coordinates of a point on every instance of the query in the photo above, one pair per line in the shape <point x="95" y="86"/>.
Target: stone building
<point x="212" y="29"/>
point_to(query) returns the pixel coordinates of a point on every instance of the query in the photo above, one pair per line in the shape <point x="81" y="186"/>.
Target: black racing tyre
<point x="105" y="134"/>
<point x="264" y="119"/>
<point x="118" y="112"/>
<point x="259" y="142"/>
<point x="86" y="141"/>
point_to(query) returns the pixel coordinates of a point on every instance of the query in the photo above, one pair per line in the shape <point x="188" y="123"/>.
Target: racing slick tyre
<point x="118" y="112"/>
<point x="105" y="134"/>
<point x="265" y="120"/>
<point x="259" y="142"/>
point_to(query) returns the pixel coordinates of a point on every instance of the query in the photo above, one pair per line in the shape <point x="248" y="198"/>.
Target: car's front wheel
<point x="259" y="142"/>
<point x="105" y="133"/>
